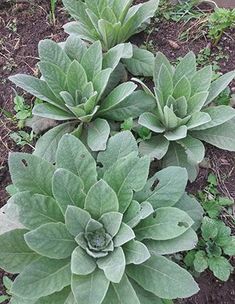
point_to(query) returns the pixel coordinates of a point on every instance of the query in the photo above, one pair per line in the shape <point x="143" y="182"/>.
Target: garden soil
<point x="23" y="25"/>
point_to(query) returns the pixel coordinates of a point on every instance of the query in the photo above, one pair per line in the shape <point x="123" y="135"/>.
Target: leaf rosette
<point x="79" y="84"/>
<point x="184" y="115"/>
<point x="97" y="234"/>
<point x="109" y="21"/>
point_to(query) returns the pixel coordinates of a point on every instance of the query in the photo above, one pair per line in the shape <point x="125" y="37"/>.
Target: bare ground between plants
<point x="22" y="26"/>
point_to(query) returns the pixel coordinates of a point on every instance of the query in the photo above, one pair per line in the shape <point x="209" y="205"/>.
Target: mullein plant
<point x="109" y="21"/>
<point x="79" y="87"/>
<point x="185" y="115"/>
<point x="112" y="22"/>
<point x="97" y="232"/>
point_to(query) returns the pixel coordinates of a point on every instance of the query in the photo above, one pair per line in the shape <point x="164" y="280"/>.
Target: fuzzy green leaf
<point x="122" y="293"/>
<point x="113" y="265"/>
<point x="51" y="240"/>
<point x="42" y="278"/>
<point x="141" y="63"/>
<point x="76" y="220"/>
<point x="81" y="262"/>
<point x="97" y="134"/>
<point x="156" y="147"/>
<point x="90" y="289"/>
<point x="119" y="145"/>
<point x="73" y="156"/>
<point x="135" y="252"/>
<point x="30" y="173"/>
<point x="15" y="255"/>
<point x="163" y="278"/>
<point x="68" y="189"/>
<point x="164" y="189"/>
<point x="112" y="222"/>
<point x="167" y="223"/>
<point x="46" y="145"/>
<point x="36" y="209"/>
<point x="184" y="242"/>
<point x="101" y="199"/>
<point x="125" y="234"/>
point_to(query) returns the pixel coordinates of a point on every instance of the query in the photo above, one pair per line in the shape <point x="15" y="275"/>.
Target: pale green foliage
<point x="79" y="84"/>
<point x="97" y="235"/>
<point x="183" y="117"/>
<point x="109" y="21"/>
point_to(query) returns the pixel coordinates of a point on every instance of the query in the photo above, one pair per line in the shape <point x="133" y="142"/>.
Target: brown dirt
<point x="23" y="25"/>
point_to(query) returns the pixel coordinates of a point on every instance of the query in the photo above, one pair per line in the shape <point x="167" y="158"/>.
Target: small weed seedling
<point x="52" y="12"/>
<point x="23" y="111"/>
<point x="212" y="201"/>
<point x="7" y="284"/>
<point x="216" y="244"/>
<point x="219" y="21"/>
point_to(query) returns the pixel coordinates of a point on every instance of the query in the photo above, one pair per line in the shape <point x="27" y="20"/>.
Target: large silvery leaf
<point x="98" y="133"/>
<point x="122" y="293"/>
<point x="51" y="52"/>
<point x="61" y="297"/>
<point x="68" y="189"/>
<point x="117" y="96"/>
<point x="219" y="115"/>
<point x="219" y="85"/>
<point x="153" y="150"/>
<point x="132" y="106"/>
<point x="194" y="149"/>
<point x="38" y="88"/>
<point x="90" y="289"/>
<point x="81" y="262"/>
<point x="113" y="265"/>
<point x="126" y="175"/>
<point x="42" y="278"/>
<point x="47" y="144"/>
<point x="51" y="240"/>
<point x="141" y="63"/>
<point x="101" y="199"/>
<point x="92" y="60"/>
<point x="164" y="189"/>
<point x="176" y="156"/>
<point x="30" y="173"/>
<point x="36" y="209"/>
<point x="163" y="278"/>
<point x="15" y="255"/>
<point x="119" y="145"/>
<point x="54" y="76"/>
<point x="194" y="209"/>
<point x="73" y="156"/>
<point x="136" y="252"/>
<point x="186" y="67"/>
<point x="221" y="136"/>
<point x="145" y="296"/>
<point x="185" y="241"/>
<point x="113" y="56"/>
<point x="166" y="223"/>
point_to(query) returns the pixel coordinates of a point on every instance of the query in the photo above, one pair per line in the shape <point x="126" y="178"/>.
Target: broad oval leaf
<point x="113" y="265"/>
<point x="36" y="209"/>
<point x="31" y="173"/>
<point x="42" y="278"/>
<point x="73" y="156"/>
<point x="163" y="278"/>
<point x="90" y="289"/>
<point x="68" y="189"/>
<point x="15" y="255"/>
<point x="101" y="199"/>
<point x="167" y="223"/>
<point x="51" y="240"/>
